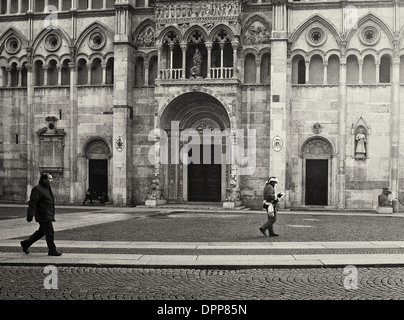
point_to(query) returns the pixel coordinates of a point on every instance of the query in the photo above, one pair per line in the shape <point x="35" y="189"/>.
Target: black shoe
<point x="274" y="235"/>
<point x="263" y="231"/>
<point x="24" y="247"/>
<point x="55" y="254"/>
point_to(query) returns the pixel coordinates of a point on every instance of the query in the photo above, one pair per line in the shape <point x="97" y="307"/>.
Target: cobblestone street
<point x="92" y="283"/>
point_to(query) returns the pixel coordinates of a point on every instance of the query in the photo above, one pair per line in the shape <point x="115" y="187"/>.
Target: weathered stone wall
<point x="143" y="124"/>
<point x="13" y="177"/>
<point x="255" y="115"/>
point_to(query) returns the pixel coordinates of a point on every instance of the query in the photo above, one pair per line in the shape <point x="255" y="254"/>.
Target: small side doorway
<point x="98" y="176"/>
<point x="316" y="182"/>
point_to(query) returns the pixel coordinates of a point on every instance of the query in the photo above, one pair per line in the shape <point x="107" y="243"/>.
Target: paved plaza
<point x="168" y="253"/>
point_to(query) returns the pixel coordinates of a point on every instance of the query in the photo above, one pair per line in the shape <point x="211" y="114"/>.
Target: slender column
<point x="19" y="6"/>
<point x="221" y="60"/>
<point x="325" y="73"/>
<point x="377" y="72"/>
<point x="104" y="73"/>
<point x="184" y="47"/>
<point x="46" y="5"/>
<point x="90" y="4"/>
<point x="171" y="56"/>
<point x="45" y="74"/>
<point x="360" y="63"/>
<point x="159" y="50"/>
<point x="89" y="73"/>
<point x="258" y="73"/>
<point x="235" y="47"/>
<point x="8" y="6"/>
<point x="8" y="69"/>
<point x="307" y="72"/>
<point x="60" y="68"/>
<point x="209" y="48"/>
<point x="146" y="3"/>
<point x="146" y="73"/>
<point x="104" y="4"/>
<point x="60" y="5"/>
<point x="19" y="73"/>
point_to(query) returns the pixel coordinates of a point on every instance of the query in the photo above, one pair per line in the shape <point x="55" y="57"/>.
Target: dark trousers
<point x="88" y="198"/>
<point x="269" y="224"/>
<point x="45" y="229"/>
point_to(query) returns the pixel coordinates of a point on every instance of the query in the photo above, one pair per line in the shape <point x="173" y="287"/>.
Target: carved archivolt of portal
<point x="97" y="147"/>
<point x="317" y="146"/>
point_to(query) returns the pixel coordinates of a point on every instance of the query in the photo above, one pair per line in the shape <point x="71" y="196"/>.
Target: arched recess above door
<point x="317" y="148"/>
<point x="97" y="148"/>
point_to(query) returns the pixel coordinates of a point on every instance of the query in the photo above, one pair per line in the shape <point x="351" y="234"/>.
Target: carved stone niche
<point x="51" y="147"/>
<point x="360" y="140"/>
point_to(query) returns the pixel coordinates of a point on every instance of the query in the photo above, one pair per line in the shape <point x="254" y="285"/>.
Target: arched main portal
<point x="318" y="179"/>
<point x="204" y="180"/>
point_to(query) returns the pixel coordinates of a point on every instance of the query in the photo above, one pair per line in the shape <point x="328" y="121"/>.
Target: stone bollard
<point x="395" y="205"/>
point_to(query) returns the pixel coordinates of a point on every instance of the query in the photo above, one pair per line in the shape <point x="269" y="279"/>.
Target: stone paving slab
<point x="214" y="245"/>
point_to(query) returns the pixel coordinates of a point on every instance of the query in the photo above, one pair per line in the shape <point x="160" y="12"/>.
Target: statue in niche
<point x="384" y="198"/>
<point x="360" y="151"/>
<point x="197" y="62"/>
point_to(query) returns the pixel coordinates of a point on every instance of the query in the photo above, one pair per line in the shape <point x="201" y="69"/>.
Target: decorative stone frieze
<point x="176" y="12"/>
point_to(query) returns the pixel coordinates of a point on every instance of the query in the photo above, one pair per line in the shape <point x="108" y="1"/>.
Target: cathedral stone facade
<point x="115" y="96"/>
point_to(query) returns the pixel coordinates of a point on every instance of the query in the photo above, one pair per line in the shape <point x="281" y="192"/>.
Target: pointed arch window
<point x="222" y="56"/>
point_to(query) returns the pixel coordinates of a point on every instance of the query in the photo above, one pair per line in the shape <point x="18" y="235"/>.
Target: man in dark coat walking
<point x="270" y="200"/>
<point x="42" y="206"/>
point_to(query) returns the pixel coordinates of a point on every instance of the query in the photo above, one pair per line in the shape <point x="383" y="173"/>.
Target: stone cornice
<point x="310" y="5"/>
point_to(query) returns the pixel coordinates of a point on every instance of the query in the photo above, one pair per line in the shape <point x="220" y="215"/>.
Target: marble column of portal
<point x="184" y="47"/>
<point x="235" y="46"/>
<point x="159" y="52"/>
<point x="221" y="60"/>
<point x="209" y="65"/>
